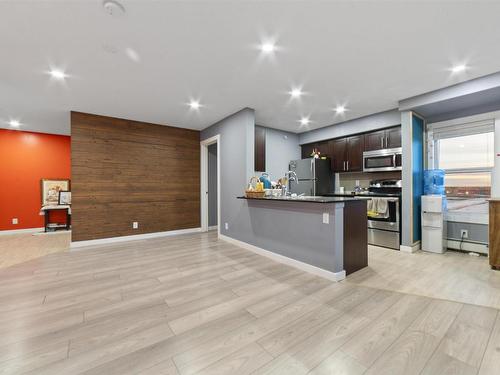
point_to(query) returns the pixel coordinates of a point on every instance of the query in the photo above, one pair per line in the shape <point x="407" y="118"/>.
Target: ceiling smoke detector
<point x="113" y="8"/>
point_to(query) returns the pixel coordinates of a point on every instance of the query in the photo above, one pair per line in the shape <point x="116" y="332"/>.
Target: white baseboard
<point x="135" y="237"/>
<point x="213" y="227"/>
<point x="333" y="276"/>
<point x="20" y="231"/>
<point x="468" y="246"/>
<point x="410" y="249"/>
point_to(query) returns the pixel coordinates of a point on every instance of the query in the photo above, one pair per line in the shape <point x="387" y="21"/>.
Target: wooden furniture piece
<point x="48" y="209"/>
<point x="346" y="153"/>
<point x="260" y="149"/>
<point x="127" y="171"/>
<point x="494" y="238"/>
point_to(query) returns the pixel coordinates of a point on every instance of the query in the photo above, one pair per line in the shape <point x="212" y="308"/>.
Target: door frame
<point x="204" y="182"/>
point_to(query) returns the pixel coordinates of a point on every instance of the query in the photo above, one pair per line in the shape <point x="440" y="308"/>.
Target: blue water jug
<point x="434" y="182"/>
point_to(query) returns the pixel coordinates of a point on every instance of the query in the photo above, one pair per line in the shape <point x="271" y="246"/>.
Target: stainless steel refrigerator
<point x="314" y="175"/>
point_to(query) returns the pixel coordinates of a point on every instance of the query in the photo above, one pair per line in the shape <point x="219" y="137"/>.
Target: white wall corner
<point x="410" y="249"/>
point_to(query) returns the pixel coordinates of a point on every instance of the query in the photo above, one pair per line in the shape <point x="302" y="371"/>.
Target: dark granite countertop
<point x="362" y="194"/>
<point x="318" y="199"/>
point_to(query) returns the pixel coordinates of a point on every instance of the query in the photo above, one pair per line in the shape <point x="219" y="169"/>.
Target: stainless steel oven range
<point x="385" y="230"/>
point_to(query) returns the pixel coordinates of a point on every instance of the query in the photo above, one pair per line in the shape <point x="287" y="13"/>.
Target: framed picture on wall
<point x="50" y="189"/>
<point x="64" y="197"/>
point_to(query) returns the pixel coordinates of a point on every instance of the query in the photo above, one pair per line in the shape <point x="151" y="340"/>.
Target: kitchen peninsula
<point x="329" y="233"/>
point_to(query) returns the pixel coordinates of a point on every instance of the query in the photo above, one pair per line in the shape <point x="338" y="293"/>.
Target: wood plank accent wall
<point x="125" y="171"/>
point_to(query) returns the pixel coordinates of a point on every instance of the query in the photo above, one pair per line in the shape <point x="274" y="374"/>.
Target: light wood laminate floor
<point x="194" y="305"/>
<point x="19" y="248"/>
<point x="453" y="276"/>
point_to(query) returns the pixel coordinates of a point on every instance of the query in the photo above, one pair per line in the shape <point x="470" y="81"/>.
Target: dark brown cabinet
<point x="322" y="147"/>
<point x="355" y="147"/>
<point x="260" y="149"/>
<point x="393" y="137"/>
<point x="307" y="150"/>
<point x="338" y="149"/>
<point x="387" y="138"/>
<point x="347" y="154"/>
<point x="375" y="140"/>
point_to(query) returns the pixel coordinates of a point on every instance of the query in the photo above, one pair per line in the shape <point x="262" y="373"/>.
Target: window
<point x="467" y="160"/>
<point x="466" y="153"/>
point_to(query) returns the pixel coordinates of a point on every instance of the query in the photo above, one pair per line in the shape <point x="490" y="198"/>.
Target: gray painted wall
<point x="359" y="125"/>
<point x="212" y="184"/>
<point x="296" y="224"/>
<point x="266" y="227"/>
<point x="281" y="147"/>
<point x="236" y="153"/>
<point x="477" y="232"/>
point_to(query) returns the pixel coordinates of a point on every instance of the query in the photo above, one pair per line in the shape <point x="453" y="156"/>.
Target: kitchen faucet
<point x="291" y="176"/>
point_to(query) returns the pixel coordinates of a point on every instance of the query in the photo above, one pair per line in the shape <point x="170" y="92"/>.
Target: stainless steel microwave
<point x="382" y="160"/>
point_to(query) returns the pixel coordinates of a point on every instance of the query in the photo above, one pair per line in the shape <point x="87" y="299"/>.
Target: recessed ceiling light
<point x="194" y="104"/>
<point x="267" y="47"/>
<point x="14" y="123"/>
<point x="458" y="68"/>
<point x="296" y="93"/>
<point x="132" y="55"/>
<point x="57" y="74"/>
<point x="305" y="121"/>
<point x="340" y="109"/>
<point x="113" y="8"/>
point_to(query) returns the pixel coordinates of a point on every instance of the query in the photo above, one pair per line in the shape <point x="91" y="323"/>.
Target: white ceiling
<point x="367" y="55"/>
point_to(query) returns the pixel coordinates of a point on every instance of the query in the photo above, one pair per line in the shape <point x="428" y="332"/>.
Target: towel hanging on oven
<point x="378" y="208"/>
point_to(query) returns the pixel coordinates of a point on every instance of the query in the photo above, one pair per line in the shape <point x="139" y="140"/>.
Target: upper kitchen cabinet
<point x="307" y="150"/>
<point x="260" y="149"/>
<point x="347" y="154"/>
<point x="355" y="147"/>
<point x="387" y="138"/>
<point x="322" y="147"/>
<point x="375" y="140"/>
<point x="393" y="137"/>
<point x="339" y="151"/>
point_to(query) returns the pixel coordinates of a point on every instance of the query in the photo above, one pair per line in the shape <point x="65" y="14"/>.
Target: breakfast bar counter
<point x="327" y="233"/>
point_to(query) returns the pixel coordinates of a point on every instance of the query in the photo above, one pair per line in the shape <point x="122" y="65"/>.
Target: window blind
<point x="468" y="128"/>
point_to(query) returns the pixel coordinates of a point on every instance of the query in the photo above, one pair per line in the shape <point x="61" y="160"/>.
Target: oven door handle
<point x="387" y="199"/>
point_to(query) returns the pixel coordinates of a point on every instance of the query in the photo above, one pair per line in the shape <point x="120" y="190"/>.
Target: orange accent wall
<point x="26" y="158"/>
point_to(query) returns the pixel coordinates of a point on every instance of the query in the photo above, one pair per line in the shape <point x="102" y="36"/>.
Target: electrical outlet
<point x="464" y="233"/>
<point x="15" y="221"/>
<point x="135" y="225"/>
<point x="226" y="226"/>
<point x="326" y="218"/>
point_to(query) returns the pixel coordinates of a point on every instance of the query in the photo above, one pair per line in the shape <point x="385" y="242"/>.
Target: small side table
<point x="46" y="210"/>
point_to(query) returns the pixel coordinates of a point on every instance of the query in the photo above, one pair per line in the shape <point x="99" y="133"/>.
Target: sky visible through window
<point x="470" y="151"/>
